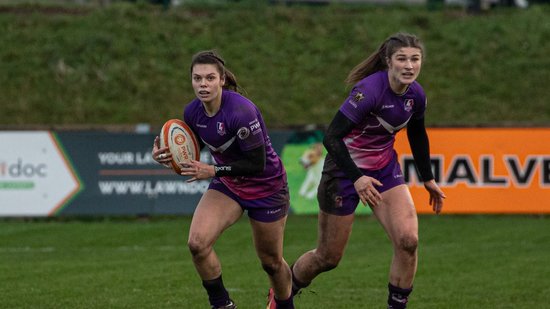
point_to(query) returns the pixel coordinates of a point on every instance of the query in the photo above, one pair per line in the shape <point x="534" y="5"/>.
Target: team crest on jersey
<point x="221" y="128"/>
<point x="408" y="104"/>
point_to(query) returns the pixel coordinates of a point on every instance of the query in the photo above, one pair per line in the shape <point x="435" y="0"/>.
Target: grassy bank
<point x="128" y="63"/>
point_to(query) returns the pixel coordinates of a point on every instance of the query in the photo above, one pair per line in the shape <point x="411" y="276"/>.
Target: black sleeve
<point x="334" y="143"/>
<point x="420" y="146"/>
<point x="252" y="163"/>
<point x="201" y="143"/>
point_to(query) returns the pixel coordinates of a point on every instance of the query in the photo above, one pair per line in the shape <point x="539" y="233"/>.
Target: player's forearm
<point x="253" y="164"/>
<point x="334" y="143"/>
<point x="420" y="147"/>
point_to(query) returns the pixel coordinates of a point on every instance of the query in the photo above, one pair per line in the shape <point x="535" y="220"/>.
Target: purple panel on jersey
<point x="379" y="114"/>
<point x="238" y="126"/>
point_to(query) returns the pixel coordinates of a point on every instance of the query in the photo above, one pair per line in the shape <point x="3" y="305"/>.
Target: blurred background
<point x="90" y="83"/>
<point x="86" y="63"/>
<point x="89" y="220"/>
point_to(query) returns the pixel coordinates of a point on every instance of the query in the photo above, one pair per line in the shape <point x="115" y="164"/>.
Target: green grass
<point x="128" y="63"/>
<point x="465" y="262"/>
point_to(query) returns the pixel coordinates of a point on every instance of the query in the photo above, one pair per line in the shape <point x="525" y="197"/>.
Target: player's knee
<point x="197" y="246"/>
<point x="271" y="268"/>
<point x="408" y="243"/>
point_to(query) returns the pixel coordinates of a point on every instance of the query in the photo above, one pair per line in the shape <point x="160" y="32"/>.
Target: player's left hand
<point x="436" y="195"/>
<point x="197" y="170"/>
<point x="365" y="188"/>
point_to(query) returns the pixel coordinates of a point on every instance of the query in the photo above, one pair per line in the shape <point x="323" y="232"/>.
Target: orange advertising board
<point x="484" y="170"/>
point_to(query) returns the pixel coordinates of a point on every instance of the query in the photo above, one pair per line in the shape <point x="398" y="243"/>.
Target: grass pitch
<point x="465" y="262"/>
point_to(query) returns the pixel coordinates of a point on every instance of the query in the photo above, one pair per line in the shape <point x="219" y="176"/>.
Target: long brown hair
<point x="377" y="60"/>
<point x="212" y="57"/>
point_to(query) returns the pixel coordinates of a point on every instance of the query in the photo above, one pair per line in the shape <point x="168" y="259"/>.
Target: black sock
<point x="297" y="285"/>
<point x="398" y="297"/>
<point x="285" y="304"/>
<point x="217" y="294"/>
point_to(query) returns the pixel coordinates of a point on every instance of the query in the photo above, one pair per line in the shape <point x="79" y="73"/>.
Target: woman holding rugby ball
<point x="248" y="175"/>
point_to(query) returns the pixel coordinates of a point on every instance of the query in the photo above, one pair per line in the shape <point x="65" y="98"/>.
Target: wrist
<point x="356" y="175"/>
<point x="427" y="182"/>
<point x="211" y="171"/>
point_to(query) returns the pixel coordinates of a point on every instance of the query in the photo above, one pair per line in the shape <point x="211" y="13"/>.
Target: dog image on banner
<point x="312" y="161"/>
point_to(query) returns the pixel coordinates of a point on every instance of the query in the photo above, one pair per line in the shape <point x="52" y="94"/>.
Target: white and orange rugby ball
<point x="181" y="142"/>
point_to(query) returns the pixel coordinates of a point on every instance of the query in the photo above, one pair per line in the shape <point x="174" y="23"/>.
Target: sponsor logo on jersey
<point x="222" y="168"/>
<point x="243" y="132"/>
<point x="255" y="127"/>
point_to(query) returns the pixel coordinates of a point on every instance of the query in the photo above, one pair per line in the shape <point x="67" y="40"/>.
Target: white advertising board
<point x="35" y="177"/>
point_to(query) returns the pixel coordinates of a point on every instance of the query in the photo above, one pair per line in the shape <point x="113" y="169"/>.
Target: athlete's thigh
<point x="214" y="213"/>
<point x="334" y="232"/>
<point x="268" y="237"/>
<point x="396" y="212"/>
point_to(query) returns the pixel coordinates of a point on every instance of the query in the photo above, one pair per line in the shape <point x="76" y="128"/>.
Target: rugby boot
<point x="229" y="305"/>
<point x="271" y="304"/>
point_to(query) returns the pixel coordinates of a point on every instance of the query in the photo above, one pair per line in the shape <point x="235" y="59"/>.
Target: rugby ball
<point x="181" y="141"/>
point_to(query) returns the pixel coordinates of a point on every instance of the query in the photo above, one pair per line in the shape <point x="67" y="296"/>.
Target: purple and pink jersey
<point x="238" y="126"/>
<point x="379" y="114"/>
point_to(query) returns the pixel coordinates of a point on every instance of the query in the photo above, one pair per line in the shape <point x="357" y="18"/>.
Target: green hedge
<point x="129" y="62"/>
